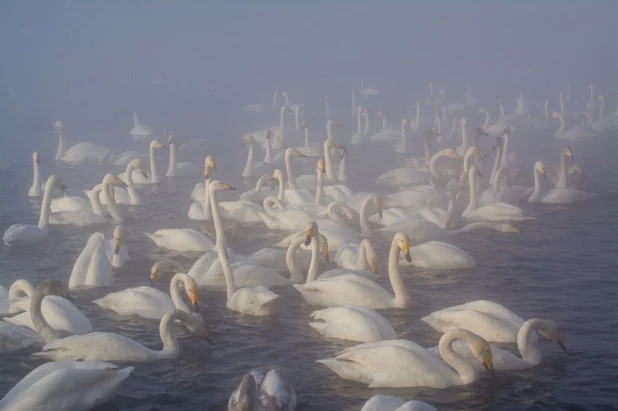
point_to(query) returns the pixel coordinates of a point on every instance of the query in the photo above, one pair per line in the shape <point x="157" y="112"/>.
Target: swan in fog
<point x="572" y="133"/>
<point x="149" y="302"/>
<point x="36" y="189"/>
<point x="138" y="130"/>
<point x="415" y="125"/>
<point x="129" y="195"/>
<point x="357" y="138"/>
<point x="266" y="389"/>
<point x="491" y="129"/>
<point x="92" y="267"/>
<point x="182" y="240"/>
<point x="352" y="323"/>
<point x="530" y="355"/>
<point x="138" y="177"/>
<point x="258" y="107"/>
<point x="368" y="91"/>
<point x="351" y="289"/>
<point x="439" y="255"/>
<point x="590" y="106"/>
<point x="386" y="133"/>
<point x="388" y="403"/>
<point x="26" y="234"/>
<point x="490" y="320"/>
<point x="258" y="301"/>
<point x="402" y="363"/>
<point x="310" y="149"/>
<point x="79" y="153"/>
<point x="198" y="191"/>
<point x="72" y="385"/>
<point x="175" y="169"/>
<point x="409" y="176"/>
<point x="604" y="123"/>
<point x="556" y="195"/>
<point x="117" y="251"/>
<point x="104" y="346"/>
<point x="360" y="257"/>
<point x="402" y="146"/>
<point x="48" y="306"/>
<point x="250" y="167"/>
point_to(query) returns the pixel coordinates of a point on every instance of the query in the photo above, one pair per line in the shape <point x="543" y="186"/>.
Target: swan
<point x="78" y="386"/>
<point x="83" y="217"/>
<point x="461" y="150"/>
<point x="198" y="191"/>
<point x="258" y="301"/>
<point x="368" y="91"/>
<point x="388" y="403"/>
<point x="103" y="346"/>
<point x="291" y="106"/>
<point x="572" y="133"/>
<point x="556" y="195"/>
<point x="351" y="289"/>
<point x="490" y="212"/>
<point x="266" y="389"/>
<point x="26" y="234"/>
<point x="182" y="240"/>
<point x="117" y="251"/>
<point x="262" y="189"/>
<point x="36" y="189"/>
<point x="590" y="106"/>
<point x="402" y="363"/>
<point x="488" y="319"/>
<point x="491" y="129"/>
<point x="258" y="107"/>
<point x="44" y="289"/>
<point x="440" y="256"/>
<point x="352" y="323"/>
<point x="148" y="302"/>
<point x="360" y="257"/>
<point x="422" y="163"/>
<point x="604" y="123"/>
<point x="17" y="337"/>
<point x="138" y="177"/>
<point x="79" y="153"/>
<point x="123" y="159"/>
<point x="415" y="125"/>
<point x="402" y="146"/>
<point x="386" y="134"/>
<point x="357" y="138"/>
<point x="250" y="166"/>
<point x="139" y="130"/>
<point x="507" y="194"/>
<point x="92" y="267"/>
<point x="309" y="149"/>
<point x="470" y="100"/>
<point x="50" y="307"/>
<point x="530" y="355"/>
<point x="175" y="169"/>
<point x="129" y="195"/>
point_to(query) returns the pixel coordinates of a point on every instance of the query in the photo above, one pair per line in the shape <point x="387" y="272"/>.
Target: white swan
<point x="572" y="133"/>
<point x="117" y="251"/>
<point x="490" y="212"/>
<point x="113" y="347"/>
<point x="352" y="323"/>
<point x="507" y="194"/>
<point x="386" y="133"/>
<point x="138" y="177"/>
<point x="357" y="256"/>
<point x="368" y="91"/>
<point x="530" y="355"/>
<point x="357" y="137"/>
<point x="402" y="363"/>
<point x="402" y="146"/>
<point x="309" y="149"/>
<point x="351" y="289"/>
<point x="490" y="320"/>
<point x="36" y="189"/>
<point x="148" y="302"/>
<point x="415" y="125"/>
<point x="79" y="153"/>
<point x="17" y="337"/>
<point x="388" y="403"/>
<point x="555" y="195"/>
<point x="92" y="267"/>
<point x="491" y="129"/>
<point x="138" y="130"/>
<point x="198" y="193"/>
<point x="26" y="234"/>
<point x="439" y="255"/>
<point x="263" y="188"/>
<point x="129" y="195"/>
<point x="182" y="240"/>
<point x="78" y="386"/>
<point x="604" y="123"/>
<point x="176" y="169"/>
<point x="263" y="389"/>
<point x="48" y="306"/>
<point x="257" y="301"/>
<point x="590" y="105"/>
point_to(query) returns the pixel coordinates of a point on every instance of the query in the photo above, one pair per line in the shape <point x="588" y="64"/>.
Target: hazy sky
<point x="110" y="50"/>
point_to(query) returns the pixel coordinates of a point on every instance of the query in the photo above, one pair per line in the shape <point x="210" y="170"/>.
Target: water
<point x="562" y="266"/>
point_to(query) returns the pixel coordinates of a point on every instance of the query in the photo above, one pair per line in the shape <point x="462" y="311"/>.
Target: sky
<point x="96" y="59"/>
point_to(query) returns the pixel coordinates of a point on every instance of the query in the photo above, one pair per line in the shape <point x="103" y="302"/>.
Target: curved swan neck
<point x="501" y="113"/>
<point x="364" y="218"/>
<point x="288" y="169"/>
<point x="466" y="372"/>
<point x="432" y="163"/>
<point x="171" y="171"/>
<point x="402" y="298"/>
<point x="342" y="166"/>
<point x="564" y="174"/>
<point x="290" y="258"/>
<point x="154" y="176"/>
<point x="221" y="243"/>
<point x="248" y="171"/>
<point x="117" y="218"/>
<point x="95" y="201"/>
<point x="527" y="349"/>
<point x="361" y="261"/>
<point x="537" y="185"/>
<point x="19" y="289"/>
<point x="487" y="120"/>
<point x="36" y="315"/>
<point x="330" y="173"/>
<point x="497" y="161"/>
<point x="60" y="152"/>
<point x="36" y="180"/>
<point x="329" y="129"/>
<point x="496" y="183"/>
<point x="281" y="188"/>
<point x="417" y="120"/>
<point x="602" y="109"/>
<point x="44" y="218"/>
<point x="472" y="205"/>
<point x="175" y="291"/>
<point x="171" y="348"/>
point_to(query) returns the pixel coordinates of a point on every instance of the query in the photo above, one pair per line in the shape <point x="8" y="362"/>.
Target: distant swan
<point x="175" y="169"/>
<point x="368" y="91"/>
<point x="79" y="153"/>
<point x="138" y="177"/>
<point x="138" y="130"/>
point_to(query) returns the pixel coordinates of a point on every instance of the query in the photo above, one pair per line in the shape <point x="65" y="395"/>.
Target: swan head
<point x="209" y="162"/>
<point x="567" y="152"/>
<point x="480" y="349"/>
<point x="195" y="324"/>
<point x="118" y="234"/>
<point x="248" y="140"/>
<point x="481" y="155"/>
<point x="321" y="165"/>
<point x="162" y="267"/>
<point x="35" y="157"/>
<point x="53" y="287"/>
<point x="405" y="122"/>
<point x="507" y="131"/>
<point x="277" y="174"/>
<point x="449" y="152"/>
<point x="113" y="180"/>
<point x="418" y="105"/>
<point x="216" y="185"/>
<point x="57" y="124"/>
<point x="360" y="110"/>
<point x="170" y="139"/>
<point x="157" y="144"/>
<point x="482" y="110"/>
<point x="549" y="330"/>
<point x="294" y="153"/>
<point x="474" y="171"/>
<point x="538" y="166"/>
<point x="464" y="121"/>
<point x="304" y="125"/>
<point x="310" y="229"/>
<point x="600" y="97"/>
<point x="555" y="114"/>
<point x="267" y="134"/>
<point x="402" y="241"/>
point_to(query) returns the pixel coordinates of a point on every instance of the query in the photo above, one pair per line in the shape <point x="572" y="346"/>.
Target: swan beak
<point x="321" y="167"/>
<point x="206" y="336"/>
<point x="336" y="145"/>
<point x="560" y="343"/>
<point x="482" y="156"/>
<point x="309" y="233"/>
<point x="37" y="160"/>
<point x="153" y="278"/>
<point x="116" y="246"/>
<point x="163" y="147"/>
<point x="456" y="157"/>
<point x="143" y="171"/>
<point x="325" y="252"/>
<point x="374" y="269"/>
<point x="194" y="302"/>
<point x="211" y="163"/>
<point x="299" y="154"/>
<point x="542" y="171"/>
<point x="406" y="252"/>
<point x="488" y="362"/>
<point x="121" y="183"/>
<point x="515" y="230"/>
<point x="380" y="211"/>
<point x="227" y="187"/>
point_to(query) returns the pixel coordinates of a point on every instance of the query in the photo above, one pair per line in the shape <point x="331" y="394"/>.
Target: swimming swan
<point x="79" y="153"/>
<point x="263" y="389"/>
<point x="176" y="169"/>
<point x="138" y="177"/>
<point x="138" y="130"/>
<point x="388" y="403"/>
<point x="556" y="195"/>
<point x="352" y="323"/>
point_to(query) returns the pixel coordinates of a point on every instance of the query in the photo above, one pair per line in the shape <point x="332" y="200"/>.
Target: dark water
<point x="562" y="266"/>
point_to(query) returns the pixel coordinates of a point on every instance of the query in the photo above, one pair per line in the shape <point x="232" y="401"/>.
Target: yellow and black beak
<point x="325" y="252"/>
<point x="309" y="233"/>
<point x="37" y="160"/>
<point x="482" y="156"/>
<point x="374" y="269"/>
<point x="206" y="336"/>
<point x="380" y="211"/>
<point x="456" y="157"/>
<point x="143" y="171"/>
<point x="163" y="147"/>
<point x="542" y="171"/>
<point x="194" y="302"/>
<point x="116" y="246"/>
<point x="227" y="187"/>
<point x="153" y="278"/>
<point x="560" y="343"/>
<point x="488" y="362"/>
<point x="406" y="252"/>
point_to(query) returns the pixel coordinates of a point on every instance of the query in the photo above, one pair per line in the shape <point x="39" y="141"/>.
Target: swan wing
<point x="69" y="203"/>
<point x="257" y="301"/>
<point x="59" y="313"/>
<point x="23" y="234"/>
<point x="439" y="255"/>
<point x="342" y="271"/>
<point x="344" y="290"/>
<point x="182" y="240"/>
<point x="565" y="196"/>
<point x="352" y="323"/>
<point x="92" y="267"/>
<point x="490" y="327"/>
<point x="146" y="302"/>
<point x="241" y="211"/>
<point x="274" y="390"/>
<point x="347" y="256"/>
<point x="16" y="337"/>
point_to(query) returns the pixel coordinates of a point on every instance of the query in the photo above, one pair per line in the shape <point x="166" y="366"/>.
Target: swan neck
<point x="117" y="218"/>
<point x="154" y="176"/>
<point x="464" y="136"/>
<point x="496" y="164"/>
<point x="222" y="244"/>
<point x="602" y="108"/>
<point x="36" y="181"/>
<point x="472" y="205"/>
<point x="281" y="188"/>
<point x="19" y="289"/>
<point x="269" y="152"/>
<point x="527" y="349"/>
<point x="45" y="210"/>
<point x="171" y="348"/>
<point x="288" y="169"/>
<point x="402" y="298"/>
<point x="361" y="261"/>
<point x="306" y="136"/>
<point x="319" y="187"/>
<point x="427" y="151"/>
<point x="404" y="137"/>
<point x="95" y="201"/>
<point x="330" y="173"/>
<point x="282" y="121"/>
<point x="561" y="129"/>
<point x="364" y="218"/>
<point x="383" y="122"/>
<point x="36" y="315"/>
<point x="418" y="116"/>
<point x="297" y="118"/>
<point x="504" y="161"/>
<point x="314" y="265"/>
<point x="487" y="120"/>
<point x="561" y="106"/>
<point x="247" y="172"/>
<point x="60" y="152"/>
<point x="466" y="372"/>
<point x="366" y="125"/>
<point x="564" y="174"/>
<point x="359" y="125"/>
<point x="354" y="101"/>
<point x="290" y="258"/>
<point x="175" y="292"/>
<point x="171" y="171"/>
<point x="342" y="167"/>
<point x="537" y="184"/>
<point x="275" y="96"/>
<point x="135" y="121"/>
